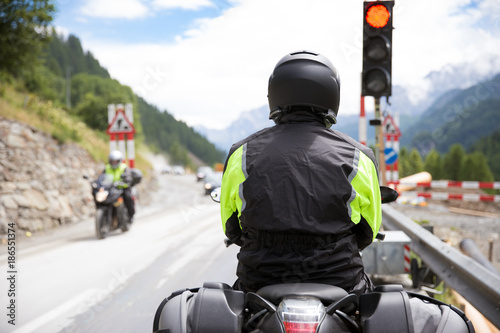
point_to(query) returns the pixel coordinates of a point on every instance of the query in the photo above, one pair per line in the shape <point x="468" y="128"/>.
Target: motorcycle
<point x="111" y="212"/>
<point x="306" y="308"/>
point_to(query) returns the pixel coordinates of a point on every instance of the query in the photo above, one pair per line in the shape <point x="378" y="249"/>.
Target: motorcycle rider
<point x="300" y="199"/>
<point x="120" y="172"/>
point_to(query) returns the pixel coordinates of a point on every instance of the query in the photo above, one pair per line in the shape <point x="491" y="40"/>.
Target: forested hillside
<point x="92" y="89"/>
<point x="459" y="116"/>
<point x="56" y="69"/>
<point x="170" y="135"/>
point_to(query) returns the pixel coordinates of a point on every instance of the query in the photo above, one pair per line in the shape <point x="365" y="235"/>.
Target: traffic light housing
<point x="377" y="48"/>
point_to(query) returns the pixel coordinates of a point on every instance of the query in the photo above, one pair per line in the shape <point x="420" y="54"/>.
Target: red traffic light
<point x="377" y="48"/>
<point x="377" y="16"/>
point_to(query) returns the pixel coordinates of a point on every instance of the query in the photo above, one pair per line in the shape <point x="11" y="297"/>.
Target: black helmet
<point x="304" y="79"/>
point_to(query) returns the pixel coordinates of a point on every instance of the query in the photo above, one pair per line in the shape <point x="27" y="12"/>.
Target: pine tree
<point x="475" y="168"/>
<point x="403" y="163"/>
<point x="490" y="147"/>
<point x="23" y="32"/>
<point x="452" y="162"/>
<point x="415" y="163"/>
<point x="433" y="164"/>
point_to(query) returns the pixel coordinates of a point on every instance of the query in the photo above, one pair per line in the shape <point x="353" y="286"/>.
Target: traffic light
<point x="377" y="48"/>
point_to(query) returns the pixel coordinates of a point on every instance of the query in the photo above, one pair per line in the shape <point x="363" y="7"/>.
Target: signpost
<point x="121" y="126"/>
<point x="392" y="134"/>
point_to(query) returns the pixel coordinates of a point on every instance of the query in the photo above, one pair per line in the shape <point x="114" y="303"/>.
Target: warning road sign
<point x="390" y="127"/>
<point x="120" y="124"/>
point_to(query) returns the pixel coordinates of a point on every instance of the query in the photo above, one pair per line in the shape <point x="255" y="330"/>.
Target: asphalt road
<point x="68" y="281"/>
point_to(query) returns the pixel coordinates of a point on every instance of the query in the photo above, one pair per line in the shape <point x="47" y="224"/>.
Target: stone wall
<point x="41" y="181"/>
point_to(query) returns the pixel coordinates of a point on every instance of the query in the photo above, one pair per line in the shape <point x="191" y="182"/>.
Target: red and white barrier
<point x="453" y="196"/>
<point x="450" y="183"/>
<point x="407" y="263"/>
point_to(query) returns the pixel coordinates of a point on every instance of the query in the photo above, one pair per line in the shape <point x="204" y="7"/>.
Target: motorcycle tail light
<point x="301" y="315"/>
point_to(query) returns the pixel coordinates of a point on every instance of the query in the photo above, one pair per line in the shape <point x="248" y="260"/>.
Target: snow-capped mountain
<point x="436" y="83"/>
<point x="247" y="123"/>
<point x="402" y="101"/>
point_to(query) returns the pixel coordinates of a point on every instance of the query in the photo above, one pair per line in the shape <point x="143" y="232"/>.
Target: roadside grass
<point x="17" y="104"/>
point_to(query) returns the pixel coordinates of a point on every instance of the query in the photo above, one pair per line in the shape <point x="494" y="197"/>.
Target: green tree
<point x="178" y="155"/>
<point x="174" y="137"/>
<point x="91" y="94"/>
<point x="490" y="147"/>
<point x="475" y="167"/>
<point x="65" y="57"/>
<point x="43" y="82"/>
<point x="433" y="164"/>
<point x="452" y="162"/>
<point x="403" y="163"/>
<point x="24" y="29"/>
<point x="415" y="164"/>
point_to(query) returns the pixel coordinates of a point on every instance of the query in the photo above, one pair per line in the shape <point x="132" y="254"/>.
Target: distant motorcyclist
<point x="120" y="172"/>
<point x="301" y="199"/>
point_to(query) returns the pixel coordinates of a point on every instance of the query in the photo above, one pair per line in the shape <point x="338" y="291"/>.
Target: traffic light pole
<point x="376" y="78"/>
<point x="379" y="143"/>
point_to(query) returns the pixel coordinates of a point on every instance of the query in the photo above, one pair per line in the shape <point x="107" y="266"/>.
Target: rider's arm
<point x="366" y="207"/>
<point x="127" y="176"/>
<point x="231" y="198"/>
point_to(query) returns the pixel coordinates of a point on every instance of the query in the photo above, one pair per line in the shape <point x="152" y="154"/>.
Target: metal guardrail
<point x="474" y="282"/>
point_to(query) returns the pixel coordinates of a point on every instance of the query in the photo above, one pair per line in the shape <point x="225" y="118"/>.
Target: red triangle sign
<point x="390" y="127"/>
<point x="120" y="124"/>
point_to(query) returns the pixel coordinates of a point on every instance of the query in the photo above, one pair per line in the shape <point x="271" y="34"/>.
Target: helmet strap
<point x="329" y="118"/>
<point x="276" y="115"/>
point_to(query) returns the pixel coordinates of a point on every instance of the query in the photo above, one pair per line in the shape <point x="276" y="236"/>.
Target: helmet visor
<point x="114" y="163"/>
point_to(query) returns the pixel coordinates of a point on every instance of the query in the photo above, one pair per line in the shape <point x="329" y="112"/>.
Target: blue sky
<point x="206" y="61"/>
<point x="136" y="21"/>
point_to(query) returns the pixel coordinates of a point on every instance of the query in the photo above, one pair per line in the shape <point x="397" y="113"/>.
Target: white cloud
<point x="133" y="9"/>
<point x="129" y="9"/>
<point x="62" y="31"/>
<point x="430" y="35"/>
<point x="182" y="4"/>
<point x="221" y="67"/>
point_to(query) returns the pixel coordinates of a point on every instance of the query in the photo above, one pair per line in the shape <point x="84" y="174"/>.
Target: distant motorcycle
<point x="111" y="212"/>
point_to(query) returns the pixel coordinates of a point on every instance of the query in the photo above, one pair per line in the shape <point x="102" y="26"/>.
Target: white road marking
<point x="36" y="324"/>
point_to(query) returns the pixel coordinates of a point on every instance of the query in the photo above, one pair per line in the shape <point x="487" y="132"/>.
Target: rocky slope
<point x="41" y="183"/>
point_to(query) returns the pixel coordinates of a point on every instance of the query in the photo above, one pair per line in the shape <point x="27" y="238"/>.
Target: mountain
<point x="247" y="123"/>
<point x="415" y="100"/>
<point x="253" y="120"/>
<point x="457" y="116"/>
<point x="441" y="88"/>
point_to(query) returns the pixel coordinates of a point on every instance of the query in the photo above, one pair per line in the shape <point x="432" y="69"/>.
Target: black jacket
<point x="301" y="201"/>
